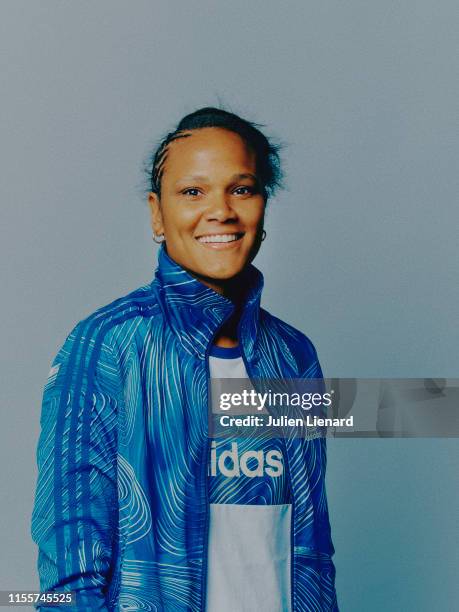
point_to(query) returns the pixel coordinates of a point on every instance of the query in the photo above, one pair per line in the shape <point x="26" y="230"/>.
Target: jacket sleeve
<point x="74" y="518"/>
<point x="320" y="560"/>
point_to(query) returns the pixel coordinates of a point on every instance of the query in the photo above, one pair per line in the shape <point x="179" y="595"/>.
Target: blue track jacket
<point x="121" y="507"/>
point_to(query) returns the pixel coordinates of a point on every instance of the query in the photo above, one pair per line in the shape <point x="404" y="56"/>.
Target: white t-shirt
<point x="249" y="552"/>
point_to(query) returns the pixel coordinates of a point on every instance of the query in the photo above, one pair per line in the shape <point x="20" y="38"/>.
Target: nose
<point x="220" y="209"/>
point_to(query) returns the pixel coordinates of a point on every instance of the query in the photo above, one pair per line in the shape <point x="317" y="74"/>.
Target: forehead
<point x="210" y="150"/>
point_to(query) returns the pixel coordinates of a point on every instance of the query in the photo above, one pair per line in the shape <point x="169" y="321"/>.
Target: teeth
<point x="219" y="238"/>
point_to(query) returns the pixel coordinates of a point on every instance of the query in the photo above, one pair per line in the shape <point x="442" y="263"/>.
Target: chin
<point x="219" y="274"/>
<point x="221" y="270"/>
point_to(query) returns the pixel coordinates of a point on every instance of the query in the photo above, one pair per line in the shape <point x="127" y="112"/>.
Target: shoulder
<point x="298" y="344"/>
<point x="98" y="329"/>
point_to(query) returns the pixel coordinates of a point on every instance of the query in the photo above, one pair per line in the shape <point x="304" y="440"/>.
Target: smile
<point x="219" y="239"/>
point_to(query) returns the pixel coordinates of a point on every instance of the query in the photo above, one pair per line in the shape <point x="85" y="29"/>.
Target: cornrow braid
<point x="160" y="158"/>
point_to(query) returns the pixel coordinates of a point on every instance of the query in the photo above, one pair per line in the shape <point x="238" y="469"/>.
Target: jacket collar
<point x="195" y="312"/>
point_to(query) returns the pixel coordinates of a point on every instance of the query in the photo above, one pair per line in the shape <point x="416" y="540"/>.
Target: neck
<point x="234" y="290"/>
<point x="227" y="334"/>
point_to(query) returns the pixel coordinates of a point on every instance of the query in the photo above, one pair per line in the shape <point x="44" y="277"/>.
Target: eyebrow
<point x="200" y="177"/>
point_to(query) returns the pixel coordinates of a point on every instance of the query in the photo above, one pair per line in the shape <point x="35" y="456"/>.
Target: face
<point x="211" y="209"/>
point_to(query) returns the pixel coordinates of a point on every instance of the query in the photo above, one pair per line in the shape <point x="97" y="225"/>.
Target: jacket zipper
<point x="292" y="536"/>
<point x="292" y="533"/>
<point x="205" y="469"/>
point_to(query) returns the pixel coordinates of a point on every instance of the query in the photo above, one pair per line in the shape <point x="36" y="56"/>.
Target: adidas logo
<point x="251" y="463"/>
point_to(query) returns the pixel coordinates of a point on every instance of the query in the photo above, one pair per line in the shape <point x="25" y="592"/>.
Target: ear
<point x="156" y="217"/>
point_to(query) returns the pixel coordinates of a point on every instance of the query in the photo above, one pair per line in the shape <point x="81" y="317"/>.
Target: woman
<point x="135" y="507"/>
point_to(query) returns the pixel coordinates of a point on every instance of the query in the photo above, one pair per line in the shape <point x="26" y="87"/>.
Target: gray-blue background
<point x="361" y="251"/>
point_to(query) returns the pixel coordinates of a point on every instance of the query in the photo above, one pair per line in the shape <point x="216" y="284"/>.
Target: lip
<point x="221" y="246"/>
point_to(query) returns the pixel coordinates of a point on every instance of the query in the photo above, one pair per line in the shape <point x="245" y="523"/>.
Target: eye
<point x="244" y="190"/>
<point x="192" y="191"/>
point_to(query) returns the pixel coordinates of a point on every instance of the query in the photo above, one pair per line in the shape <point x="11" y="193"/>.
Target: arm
<point x="74" y="519"/>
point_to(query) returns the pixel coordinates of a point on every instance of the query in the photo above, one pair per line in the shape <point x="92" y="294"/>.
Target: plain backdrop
<point x="361" y="248"/>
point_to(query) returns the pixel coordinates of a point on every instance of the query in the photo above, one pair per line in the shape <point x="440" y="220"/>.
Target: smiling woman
<point x="137" y="507"/>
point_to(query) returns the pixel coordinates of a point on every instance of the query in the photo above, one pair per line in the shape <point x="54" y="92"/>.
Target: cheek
<point x="253" y="217"/>
<point x="180" y="218"/>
